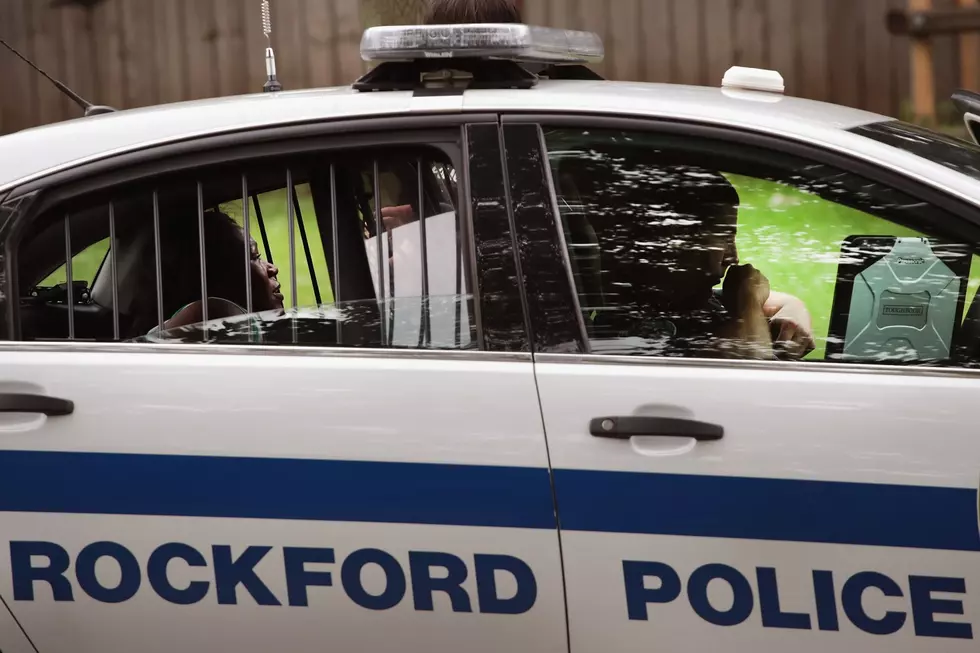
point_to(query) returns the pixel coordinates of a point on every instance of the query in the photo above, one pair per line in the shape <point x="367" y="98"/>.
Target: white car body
<point x="288" y="458"/>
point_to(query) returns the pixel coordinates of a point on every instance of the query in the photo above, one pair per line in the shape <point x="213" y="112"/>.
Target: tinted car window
<point x="372" y="239"/>
<point x="687" y="248"/>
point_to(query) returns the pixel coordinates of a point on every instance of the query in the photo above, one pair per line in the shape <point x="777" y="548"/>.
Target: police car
<point x="444" y="360"/>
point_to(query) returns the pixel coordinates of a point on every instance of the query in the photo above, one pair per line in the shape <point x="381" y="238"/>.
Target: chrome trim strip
<point x="203" y="253"/>
<point x="335" y="235"/>
<point x="560" y="228"/>
<point x="291" y="226"/>
<point x="774" y="366"/>
<point x="247" y="238"/>
<point x="258" y="350"/>
<point x="425" y="336"/>
<point x="69" y="281"/>
<point x="113" y="249"/>
<point x="378" y="243"/>
<point x="159" y="260"/>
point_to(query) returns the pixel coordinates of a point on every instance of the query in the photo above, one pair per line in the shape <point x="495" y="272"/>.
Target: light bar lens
<point x="485" y="40"/>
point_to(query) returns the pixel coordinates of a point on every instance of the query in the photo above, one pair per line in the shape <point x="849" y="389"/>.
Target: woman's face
<point x="266" y="290"/>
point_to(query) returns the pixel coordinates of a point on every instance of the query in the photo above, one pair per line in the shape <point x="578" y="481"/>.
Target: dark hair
<point x="445" y="12"/>
<point x="180" y="266"/>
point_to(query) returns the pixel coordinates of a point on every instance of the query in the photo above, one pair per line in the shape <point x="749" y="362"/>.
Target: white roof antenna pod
<point x="753" y="79"/>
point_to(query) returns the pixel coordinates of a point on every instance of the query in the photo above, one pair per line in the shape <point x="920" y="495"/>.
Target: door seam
<point x="534" y="370"/>
<point x="19" y="625"/>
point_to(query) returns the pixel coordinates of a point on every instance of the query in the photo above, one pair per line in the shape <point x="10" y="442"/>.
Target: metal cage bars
<point x="295" y="219"/>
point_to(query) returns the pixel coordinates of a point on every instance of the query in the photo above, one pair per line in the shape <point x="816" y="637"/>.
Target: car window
<point x="408" y="290"/>
<point x="686" y="248"/>
<point x="85" y="265"/>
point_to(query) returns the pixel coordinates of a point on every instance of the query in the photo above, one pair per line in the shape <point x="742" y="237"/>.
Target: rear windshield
<point x="949" y="151"/>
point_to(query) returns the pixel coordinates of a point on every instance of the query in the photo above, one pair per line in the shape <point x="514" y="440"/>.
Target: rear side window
<point x="688" y="248"/>
<point x="359" y="249"/>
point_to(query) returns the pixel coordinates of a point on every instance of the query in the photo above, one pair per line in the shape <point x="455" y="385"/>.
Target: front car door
<point x="364" y="469"/>
<point x="715" y="491"/>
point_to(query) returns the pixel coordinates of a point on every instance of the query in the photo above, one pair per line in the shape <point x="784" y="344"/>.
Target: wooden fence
<point x="129" y="53"/>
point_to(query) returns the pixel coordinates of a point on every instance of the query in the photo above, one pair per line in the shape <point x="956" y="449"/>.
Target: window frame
<point x="447" y="133"/>
<point x="964" y="225"/>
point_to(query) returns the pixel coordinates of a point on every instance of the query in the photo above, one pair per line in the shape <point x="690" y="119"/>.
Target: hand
<point x="397" y="216"/>
<point x="745" y="289"/>
<point x="789" y="317"/>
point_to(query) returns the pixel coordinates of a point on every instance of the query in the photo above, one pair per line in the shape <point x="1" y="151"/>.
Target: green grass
<point x="274" y="216"/>
<point x="794" y="239"/>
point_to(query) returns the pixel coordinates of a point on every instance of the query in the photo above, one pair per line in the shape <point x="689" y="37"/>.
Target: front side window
<point x="356" y="249"/>
<point x="684" y="248"/>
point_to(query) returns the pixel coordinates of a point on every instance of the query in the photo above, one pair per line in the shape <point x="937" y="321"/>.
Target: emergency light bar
<point x="510" y="41"/>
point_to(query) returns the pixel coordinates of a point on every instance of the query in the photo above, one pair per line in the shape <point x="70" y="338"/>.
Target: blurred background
<point x="130" y="53"/>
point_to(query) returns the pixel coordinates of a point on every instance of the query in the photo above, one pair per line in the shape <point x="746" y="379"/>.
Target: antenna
<point x="89" y="108"/>
<point x="272" y="83"/>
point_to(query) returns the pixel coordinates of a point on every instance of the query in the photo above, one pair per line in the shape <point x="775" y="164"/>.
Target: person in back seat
<point x="181" y="271"/>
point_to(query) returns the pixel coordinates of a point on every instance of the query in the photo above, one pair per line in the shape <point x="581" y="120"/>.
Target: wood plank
<point x="49" y="55"/>
<point x="923" y="78"/>
<point x="348" y="42"/>
<point x="23" y="101"/>
<point x="946" y="67"/>
<point x="970" y="54"/>
<point x="750" y="47"/>
<point x="719" y="46"/>
<point x="901" y="76"/>
<point x="320" y="41"/>
<point x="875" y="55"/>
<point x="79" y="44"/>
<point x="594" y="17"/>
<point x="200" y="32"/>
<point x="847" y="64"/>
<point x="108" y="47"/>
<point x="171" y="67"/>
<point x="625" y="41"/>
<point x="230" y="46"/>
<point x="255" y="44"/>
<point x="138" y="52"/>
<point x="658" y="53"/>
<point x="687" y="30"/>
<point x="11" y="106"/>
<point x="564" y="13"/>
<point x="813" y="45"/>
<point x="289" y="40"/>
<point x="784" y="32"/>
<point x="535" y="12"/>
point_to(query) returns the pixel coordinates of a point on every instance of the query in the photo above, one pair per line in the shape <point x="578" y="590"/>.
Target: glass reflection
<point x="361" y="324"/>
<point x="674" y="254"/>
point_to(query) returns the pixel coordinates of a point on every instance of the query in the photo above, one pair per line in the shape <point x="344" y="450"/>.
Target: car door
<point x="715" y="491"/>
<point x="12" y="636"/>
<point x="363" y="469"/>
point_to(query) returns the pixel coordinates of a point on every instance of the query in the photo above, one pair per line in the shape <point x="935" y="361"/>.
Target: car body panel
<point x="28" y="154"/>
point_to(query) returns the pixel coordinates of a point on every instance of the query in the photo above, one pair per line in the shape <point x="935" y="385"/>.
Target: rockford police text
<point x="45" y="564"/>
<point x="650" y="583"/>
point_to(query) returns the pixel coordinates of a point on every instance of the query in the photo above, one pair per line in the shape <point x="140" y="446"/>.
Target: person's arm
<point x="746" y="335"/>
<point x="790" y="315"/>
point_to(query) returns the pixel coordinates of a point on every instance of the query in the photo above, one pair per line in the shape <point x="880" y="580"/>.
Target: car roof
<point x="33" y="153"/>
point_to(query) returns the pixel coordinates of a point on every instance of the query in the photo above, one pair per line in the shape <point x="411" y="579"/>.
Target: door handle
<point x="26" y="403"/>
<point x="625" y="427"/>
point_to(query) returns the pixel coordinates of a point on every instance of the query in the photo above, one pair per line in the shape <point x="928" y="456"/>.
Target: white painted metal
<point x="455" y="410"/>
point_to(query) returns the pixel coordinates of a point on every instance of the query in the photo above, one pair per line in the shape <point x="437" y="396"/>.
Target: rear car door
<point x="13" y="639"/>
<point x="363" y="469"/>
<point x="715" y="491"/>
